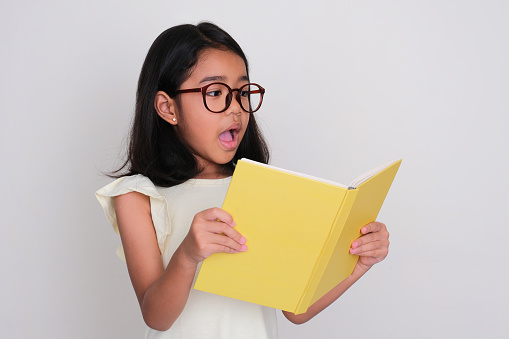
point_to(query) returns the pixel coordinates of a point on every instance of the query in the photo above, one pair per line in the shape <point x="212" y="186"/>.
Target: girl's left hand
<point x="372" y="247"/>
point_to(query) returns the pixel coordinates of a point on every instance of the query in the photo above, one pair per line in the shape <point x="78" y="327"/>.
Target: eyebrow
<point x="213" y="78"/>
<point x="222" y="78"/>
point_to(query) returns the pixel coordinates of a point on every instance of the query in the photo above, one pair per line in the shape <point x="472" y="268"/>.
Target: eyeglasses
<point x="217" y="96"/>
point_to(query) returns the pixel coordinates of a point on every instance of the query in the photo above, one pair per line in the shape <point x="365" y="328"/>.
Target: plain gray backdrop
<point x="350" y="85"/>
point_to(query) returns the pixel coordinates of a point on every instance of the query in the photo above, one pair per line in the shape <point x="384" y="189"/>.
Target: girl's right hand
<point x="212" y="232"/>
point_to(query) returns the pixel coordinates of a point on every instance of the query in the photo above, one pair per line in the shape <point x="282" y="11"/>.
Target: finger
<point x="223" y="249"/>
<point x="222" y="240"/>
<point x="220" y="227"/>
<point x="213" y="214"/>
<point x="373" y="227"/>
<point x="380" y="254"/>
<point x="378" y="247"/>
<point x="364" y="240"/>
<point x="371" y="237"/>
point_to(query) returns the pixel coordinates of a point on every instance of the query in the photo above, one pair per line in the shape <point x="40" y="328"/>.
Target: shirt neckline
<point x="221" y="181"/>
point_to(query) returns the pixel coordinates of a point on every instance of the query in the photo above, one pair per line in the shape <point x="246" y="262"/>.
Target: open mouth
<point x="229" y="138"/>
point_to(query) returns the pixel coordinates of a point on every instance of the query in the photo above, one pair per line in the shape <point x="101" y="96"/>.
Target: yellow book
<point x="298" y="229"/>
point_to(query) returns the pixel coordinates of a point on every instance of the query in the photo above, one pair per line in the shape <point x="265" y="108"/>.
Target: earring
<point x="174" y="119"/>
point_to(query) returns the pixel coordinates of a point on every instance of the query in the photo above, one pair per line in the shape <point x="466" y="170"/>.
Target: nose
<point x="235" y="106"/>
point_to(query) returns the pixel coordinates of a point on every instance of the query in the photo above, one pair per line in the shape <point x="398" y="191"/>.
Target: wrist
<point x="360" y="269"/>
<point x="184" y="260"/>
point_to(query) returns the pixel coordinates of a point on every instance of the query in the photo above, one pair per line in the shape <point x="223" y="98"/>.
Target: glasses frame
<point x="228" y="98"/>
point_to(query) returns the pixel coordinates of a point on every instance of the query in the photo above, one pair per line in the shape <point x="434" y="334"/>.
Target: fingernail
<point x="232" y="224"/>
<point x="364" y="230"/>
<point x="242" y="240"/>
<point x="243" y="248"/>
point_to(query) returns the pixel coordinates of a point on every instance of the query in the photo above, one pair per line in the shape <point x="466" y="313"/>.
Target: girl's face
<point x="213" y="137"/>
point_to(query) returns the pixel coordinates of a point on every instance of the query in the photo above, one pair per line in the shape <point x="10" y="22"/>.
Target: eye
<point x="214" y="93"/>
<point x="244" y="94"/>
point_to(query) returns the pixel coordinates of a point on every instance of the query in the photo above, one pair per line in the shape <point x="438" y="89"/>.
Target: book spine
<point x="310" y="294"/>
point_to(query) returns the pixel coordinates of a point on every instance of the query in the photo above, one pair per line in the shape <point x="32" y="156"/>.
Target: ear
<point x="166" y="107"/>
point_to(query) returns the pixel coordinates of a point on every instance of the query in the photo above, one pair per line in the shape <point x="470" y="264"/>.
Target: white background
<point x="350" y="84"/>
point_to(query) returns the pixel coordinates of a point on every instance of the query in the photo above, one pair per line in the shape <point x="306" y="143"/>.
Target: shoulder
<point x="137" y="196"/>
<point x="131" y="201"/>
<point x="134" y="183"/>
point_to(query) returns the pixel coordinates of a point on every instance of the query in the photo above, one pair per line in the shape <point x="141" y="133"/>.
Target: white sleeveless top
<point x="205" y="315"/>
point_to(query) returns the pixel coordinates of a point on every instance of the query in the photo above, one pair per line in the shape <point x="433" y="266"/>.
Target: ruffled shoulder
<point x="143" y="185"/>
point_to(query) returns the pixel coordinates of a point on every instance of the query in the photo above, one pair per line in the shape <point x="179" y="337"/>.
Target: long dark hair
<point x="154" y="147"/>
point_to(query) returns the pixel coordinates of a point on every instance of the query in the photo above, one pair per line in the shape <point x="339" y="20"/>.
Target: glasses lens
<point x="216" y="97"/>
<point x="250" y="97"/>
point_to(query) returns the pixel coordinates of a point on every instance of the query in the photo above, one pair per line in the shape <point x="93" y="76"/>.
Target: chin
<point x="226" y="160"/>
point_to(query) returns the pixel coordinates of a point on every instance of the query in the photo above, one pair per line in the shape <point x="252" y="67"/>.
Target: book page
<point x="356" y="182"/>
<point x="330" y="182"/>
<point x="359" y="180"/>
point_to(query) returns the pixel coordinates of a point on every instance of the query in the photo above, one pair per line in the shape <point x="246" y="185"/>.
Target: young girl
<point x="194" y="119"/>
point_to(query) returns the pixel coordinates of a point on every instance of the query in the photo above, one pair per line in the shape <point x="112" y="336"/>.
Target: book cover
<point x="298" y="229"/>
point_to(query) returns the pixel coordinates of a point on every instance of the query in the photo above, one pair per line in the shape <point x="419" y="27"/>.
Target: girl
<point x="194" y="119"/>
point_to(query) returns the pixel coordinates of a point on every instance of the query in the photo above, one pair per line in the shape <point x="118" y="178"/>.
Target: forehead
<point x="218" y="63"/>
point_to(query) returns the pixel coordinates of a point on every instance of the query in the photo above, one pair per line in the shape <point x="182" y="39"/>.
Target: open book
<point x="298" y="229"/>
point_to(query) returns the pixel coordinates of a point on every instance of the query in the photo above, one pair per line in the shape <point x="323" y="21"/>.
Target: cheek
<point x="194" y="121"/>
<point x="199" y="132"/>
<point x="188" y="109"/>
<point x="245" y="123"/>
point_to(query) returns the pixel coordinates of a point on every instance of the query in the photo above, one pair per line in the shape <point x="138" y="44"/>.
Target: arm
<point x="162" y="293"/>
<point x="372" y="247"/>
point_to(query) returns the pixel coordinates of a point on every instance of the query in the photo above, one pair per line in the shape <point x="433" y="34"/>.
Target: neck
<point x="211" y="170"/>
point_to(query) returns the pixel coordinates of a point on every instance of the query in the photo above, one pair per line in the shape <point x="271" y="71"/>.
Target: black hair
<point x="155" y="150"/>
